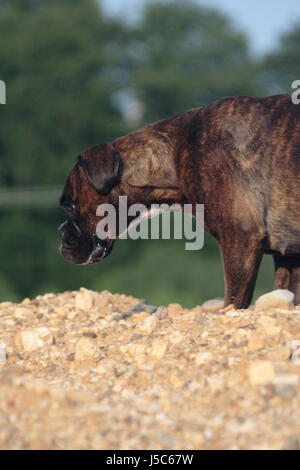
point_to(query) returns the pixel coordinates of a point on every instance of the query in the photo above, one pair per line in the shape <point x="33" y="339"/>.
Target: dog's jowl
<point x="240" y="157"/>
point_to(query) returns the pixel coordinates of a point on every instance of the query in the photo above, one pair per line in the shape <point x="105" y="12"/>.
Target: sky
<point x="263" y="21"/>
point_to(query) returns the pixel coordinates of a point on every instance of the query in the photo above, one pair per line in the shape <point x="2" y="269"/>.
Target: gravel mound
<point x="88" y="370"/>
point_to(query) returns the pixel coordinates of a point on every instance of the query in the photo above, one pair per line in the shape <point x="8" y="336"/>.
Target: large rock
<point x="275" y="299"/>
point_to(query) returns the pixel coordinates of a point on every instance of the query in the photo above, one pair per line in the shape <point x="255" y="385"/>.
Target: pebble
<point x="255" y="343"/>
<point x="213" y="305"/>
<point x="84" y="300"/>
<point x="280" y="354"/>
<point x="85" y="349"/>
<point x="159" y="348"/>
<point x="161" y="313"/>
<point x="176" y="337"/>
<point x="22" y="313"/>
<point x="203" y="358"/>
<point x="148" y="325"/>
<point x="287" y="392"/>
<point x="268" y="325"/>
<point x="275" y="299"/>
<point x="150" y="308"/>
<point x="32" y="339"/>
<point x="136" y="349"/>
<point x="261" y="372"/>
<point x="296" y="357"/>
<point x="286" y="379"/>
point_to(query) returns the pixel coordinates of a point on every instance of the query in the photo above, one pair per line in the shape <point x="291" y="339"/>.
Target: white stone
<point x="85" y="349"/>
<point x="203" y="358"/>
<point x="84" y="300"/>
<point x="32" y="339"/>
<point x="275" y="299"/>
<point x="176" y="337"/>
<point x="286" y="379"/>
<point x="261" y="372"/>
<point x="213" y="305"/>
<point x="147" y="326"/>
<point x="159" y="348"/>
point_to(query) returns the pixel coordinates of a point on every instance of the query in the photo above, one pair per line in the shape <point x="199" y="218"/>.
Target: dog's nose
<point x="63" y="232"/>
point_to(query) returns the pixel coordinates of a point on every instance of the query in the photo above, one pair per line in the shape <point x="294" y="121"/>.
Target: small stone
<point x="159" y="348"/>
<point x="286" y="379"/>
<point x="200" y="319"/>
<point x="148" y="325"/>
<point x="281" y="354"/>
<point x="203" y="358"/>
<point x="176" y="381"/>
<point x="295" y="344"/>
<point x="213" y="305"/>
<point x="84" y="300"/>
<point x="261" y="373"/>
<point x="269" y="326"/>
<point x="23" y="313"/>
<point x="276" y="299"/>
<point x="150" y="308"/>
<point x="136" y="349"/>
<point x="287" y="392"/>
<point x="296" y="357"/>
<point x="106" y="367"/>
<point x="293" y="443"/>
<point x="255" y="343"/>
<point x="32" y="339"/>
<point x="143" y="363"/>
<point x="72" y="314"/>
<point x="85" y="349"/>
<point x="70" y="357"/>
<point x="89" y="334"/>
<point x="176" y="337"/>
<point x="138" y="308"/>
<point x="161" y="313"/>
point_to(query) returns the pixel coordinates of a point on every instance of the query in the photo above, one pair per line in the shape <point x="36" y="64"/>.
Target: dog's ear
<point x="102" y="165"/>
<point x="151" y="164"/>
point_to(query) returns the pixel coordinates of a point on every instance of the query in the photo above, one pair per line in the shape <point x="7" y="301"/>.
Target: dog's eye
<point x="69" y="207"/>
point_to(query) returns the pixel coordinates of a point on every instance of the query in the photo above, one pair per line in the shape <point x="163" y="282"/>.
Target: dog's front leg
<point x="241" y="259"/>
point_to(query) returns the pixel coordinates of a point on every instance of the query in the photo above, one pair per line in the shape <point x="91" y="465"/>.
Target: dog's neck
<point x="151" y="157"/>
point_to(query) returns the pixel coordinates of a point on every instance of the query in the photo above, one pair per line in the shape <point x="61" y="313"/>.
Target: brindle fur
<point x="240" y="157"/>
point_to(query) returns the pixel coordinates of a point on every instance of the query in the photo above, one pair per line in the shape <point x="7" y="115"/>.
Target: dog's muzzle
<point x="79" y="248"/>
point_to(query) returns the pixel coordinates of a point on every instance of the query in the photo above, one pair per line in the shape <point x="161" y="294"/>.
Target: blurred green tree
<point x="56" y="58"/>
<point x="184" y="55"/>
<point x="70" y="72"/>
<point x="282" y="66"/>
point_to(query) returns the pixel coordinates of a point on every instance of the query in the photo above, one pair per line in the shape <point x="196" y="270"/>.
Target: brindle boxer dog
<point x="239" y="156"/>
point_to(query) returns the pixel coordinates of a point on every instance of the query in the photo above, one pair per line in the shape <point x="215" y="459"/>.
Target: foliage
<point x="65" y="64"/>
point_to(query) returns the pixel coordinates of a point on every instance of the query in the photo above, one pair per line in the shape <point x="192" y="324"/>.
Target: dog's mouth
<point x="81" y="249"/>
<point x="101" y="249"/>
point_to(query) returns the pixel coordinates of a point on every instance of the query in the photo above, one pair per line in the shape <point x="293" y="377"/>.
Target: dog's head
<point x="95" y="180"/>
<point x="90" y="183"/>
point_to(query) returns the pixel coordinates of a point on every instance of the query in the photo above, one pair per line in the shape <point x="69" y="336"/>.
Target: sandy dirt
<point x="87" y="370"/>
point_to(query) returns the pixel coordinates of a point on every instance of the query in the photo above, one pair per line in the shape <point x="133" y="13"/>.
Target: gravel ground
<point x="87" y="370"/>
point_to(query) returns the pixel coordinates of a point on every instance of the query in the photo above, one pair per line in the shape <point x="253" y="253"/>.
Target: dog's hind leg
<point x="287" y="275"/>
<point x="241" y="259"/>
